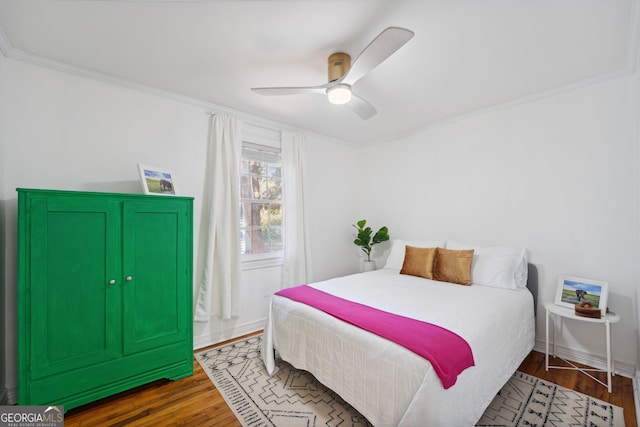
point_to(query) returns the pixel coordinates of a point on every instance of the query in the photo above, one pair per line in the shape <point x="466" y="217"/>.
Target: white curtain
<point x="218" y="294"/>
<point x="296" y="269"/>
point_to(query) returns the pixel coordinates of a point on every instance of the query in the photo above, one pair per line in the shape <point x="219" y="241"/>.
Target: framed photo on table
<point x="575" y="290"/>
<point x="157" y="180"/>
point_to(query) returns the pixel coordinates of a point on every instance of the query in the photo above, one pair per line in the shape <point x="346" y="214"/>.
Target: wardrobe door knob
<point x="112" y="282"/>
<point x="129" y="278"/>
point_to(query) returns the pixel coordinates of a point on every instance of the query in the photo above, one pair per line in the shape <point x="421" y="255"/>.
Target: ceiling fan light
<point x="339" y="94"/>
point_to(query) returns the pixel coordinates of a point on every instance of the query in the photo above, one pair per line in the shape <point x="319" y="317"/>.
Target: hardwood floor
<point x="622" y="394"/>
<point x="194" y="401"/>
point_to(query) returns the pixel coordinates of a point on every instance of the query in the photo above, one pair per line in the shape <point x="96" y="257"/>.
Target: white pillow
<point x="396" y="256"/>
<point x="499" y="267"/>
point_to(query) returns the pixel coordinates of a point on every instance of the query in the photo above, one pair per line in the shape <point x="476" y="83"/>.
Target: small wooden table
<point x="563" y="312"/>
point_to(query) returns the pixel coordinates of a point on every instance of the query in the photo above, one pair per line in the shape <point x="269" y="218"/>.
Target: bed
<point x="389" y="384"/>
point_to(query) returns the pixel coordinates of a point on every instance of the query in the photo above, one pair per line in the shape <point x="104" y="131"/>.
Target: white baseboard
<point x="596" y="361"/>
<point x="220" y="336"/>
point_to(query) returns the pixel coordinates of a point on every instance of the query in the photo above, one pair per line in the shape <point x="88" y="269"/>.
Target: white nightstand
<point x="560" y="312"/>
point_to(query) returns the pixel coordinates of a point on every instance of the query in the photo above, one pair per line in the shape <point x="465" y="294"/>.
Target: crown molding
<point x="268" y="123"/>
<point x="19" y="55"/>
<point x="630" y="68"/>
<point x="523" y="100"/>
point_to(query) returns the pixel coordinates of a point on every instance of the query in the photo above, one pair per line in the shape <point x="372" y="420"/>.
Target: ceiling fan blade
<point x="361" y="107"/>
<point x="387" y="42"/>
<point x="273" y="91"/>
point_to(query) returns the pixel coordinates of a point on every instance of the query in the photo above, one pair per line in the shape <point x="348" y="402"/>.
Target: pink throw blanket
<point x="448" y="353"/>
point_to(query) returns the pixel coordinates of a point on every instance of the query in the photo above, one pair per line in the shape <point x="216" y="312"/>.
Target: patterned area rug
<point x="529" y="401"/>
<point x="293" y="398"/>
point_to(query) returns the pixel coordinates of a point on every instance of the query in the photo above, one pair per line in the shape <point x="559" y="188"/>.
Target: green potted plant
<point x="366" y="241"/>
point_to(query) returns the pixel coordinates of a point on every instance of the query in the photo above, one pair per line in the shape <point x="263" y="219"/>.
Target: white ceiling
<point x="466" y="54"/>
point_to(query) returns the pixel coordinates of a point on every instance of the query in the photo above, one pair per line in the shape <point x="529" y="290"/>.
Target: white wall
<point x="557" y="176"/>
<point x="637" y="207"/>
<point x="334" y="200"/>
<point x="3" y="326"/>
<point x="3" y="85"/>
<point x="62" y="131"/>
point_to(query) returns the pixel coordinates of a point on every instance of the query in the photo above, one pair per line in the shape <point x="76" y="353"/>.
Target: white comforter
<point x="387" y="383"/>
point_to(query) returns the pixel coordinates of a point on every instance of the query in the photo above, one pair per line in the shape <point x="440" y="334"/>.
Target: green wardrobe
<point x="104" y="293"/>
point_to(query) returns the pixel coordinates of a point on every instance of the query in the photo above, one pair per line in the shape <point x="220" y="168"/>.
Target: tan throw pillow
<point x="418" y="262"/>
<point x="453" y="266"/>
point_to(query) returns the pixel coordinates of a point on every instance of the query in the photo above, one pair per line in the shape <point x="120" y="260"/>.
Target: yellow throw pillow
<point x="453" y="266"/>
<point x="418" y="262"/>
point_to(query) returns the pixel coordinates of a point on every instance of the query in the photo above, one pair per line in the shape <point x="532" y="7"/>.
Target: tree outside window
<point x="260" y="202"/>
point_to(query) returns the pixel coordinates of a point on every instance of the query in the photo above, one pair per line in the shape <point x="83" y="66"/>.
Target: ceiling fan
<point x="343" y="75"/>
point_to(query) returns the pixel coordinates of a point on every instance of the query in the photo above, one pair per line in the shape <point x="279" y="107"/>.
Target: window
<point x="260" y="202"/>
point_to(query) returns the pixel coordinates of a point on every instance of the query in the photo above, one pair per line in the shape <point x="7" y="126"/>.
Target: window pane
<point x="263" y="188"/>
<point x="257" y="168"/>
<point x="245" y="187"/>
<point x="267" y="240"/>
<point x="245" y="242"/>
<point x="245" y="214"/>
<point x="276" y="214"/>
<point x="259" y="241"/>
<point x="244" y="166"/>
<point x="275" y="170"/>
<point x="264" y="215"/>
<point x="256" y="214"/>
<point x="275" y="239"/>
<point x="274" y="186"/>
<point x="255" y="188"/>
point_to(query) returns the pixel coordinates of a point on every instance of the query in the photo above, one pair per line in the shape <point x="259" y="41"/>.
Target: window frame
<point x="269" y="151"/>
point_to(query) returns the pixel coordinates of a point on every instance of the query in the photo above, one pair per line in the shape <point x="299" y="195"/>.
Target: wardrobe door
<point x="157" y="288"/>
<point x="75" y="299"/>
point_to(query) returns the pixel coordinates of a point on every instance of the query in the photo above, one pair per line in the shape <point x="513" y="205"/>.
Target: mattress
<point x="387" y="383"/>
